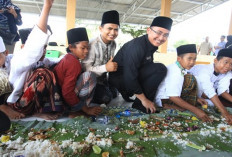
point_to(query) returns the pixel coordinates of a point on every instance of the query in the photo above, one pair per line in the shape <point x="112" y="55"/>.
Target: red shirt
<point x="67" y="72"/>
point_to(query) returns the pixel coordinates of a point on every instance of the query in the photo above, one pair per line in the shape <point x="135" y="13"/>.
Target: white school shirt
<point x="171" y="85"/>
<point x="224" y="83"/>
<point x="26" y="59"/>
<point x="209" y="83"/>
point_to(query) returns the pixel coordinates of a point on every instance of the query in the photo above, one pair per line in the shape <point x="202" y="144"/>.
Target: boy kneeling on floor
<point x="179" y="89"/>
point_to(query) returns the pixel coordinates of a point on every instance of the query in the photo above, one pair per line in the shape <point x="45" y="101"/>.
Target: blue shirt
<point x="221" y="45"/>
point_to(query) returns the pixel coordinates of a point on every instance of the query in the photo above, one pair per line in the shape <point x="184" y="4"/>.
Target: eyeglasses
<point x="159" y="33"/>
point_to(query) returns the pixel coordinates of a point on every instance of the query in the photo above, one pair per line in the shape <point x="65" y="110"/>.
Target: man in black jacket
<point x="229" y="42"/>
<point x="137" y="73"/>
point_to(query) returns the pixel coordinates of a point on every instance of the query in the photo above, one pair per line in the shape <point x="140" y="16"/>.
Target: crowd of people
<point x="207" y="48"/>
<point x="92" y="72"/>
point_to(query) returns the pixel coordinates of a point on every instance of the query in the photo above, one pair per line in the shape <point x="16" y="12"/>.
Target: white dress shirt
<point x="171" y="85"/>
<point x="208" y="82"/>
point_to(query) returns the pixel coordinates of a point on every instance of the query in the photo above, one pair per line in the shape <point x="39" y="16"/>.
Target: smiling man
<point x="101" y="53"/>
<point x="137" y="73"/>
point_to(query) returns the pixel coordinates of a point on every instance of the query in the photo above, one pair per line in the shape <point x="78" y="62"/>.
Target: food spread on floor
<point x="121" y="132"/>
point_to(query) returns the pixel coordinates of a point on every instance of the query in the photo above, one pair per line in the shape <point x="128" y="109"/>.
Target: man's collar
<point x="215" y="73"/>
<point x="183" y="70"/>
<point x="100" y="38"/>
<point x="151" y="47"/>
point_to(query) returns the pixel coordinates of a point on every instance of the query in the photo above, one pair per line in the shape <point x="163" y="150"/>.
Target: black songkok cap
<point x="227" y="52"/>
<point x="53" y="43"/>
<point x="189" y="48"/>
<point x="76" y="35"/>
<point x="5" y="122"/>
<point x="110" y="17"/>
<point x="162" y="21"/>
<point x="24" y="33"/>
<point x="229" y="38"/>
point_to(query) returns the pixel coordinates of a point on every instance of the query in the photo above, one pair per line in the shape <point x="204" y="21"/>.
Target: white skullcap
<point x="2" y="46"/>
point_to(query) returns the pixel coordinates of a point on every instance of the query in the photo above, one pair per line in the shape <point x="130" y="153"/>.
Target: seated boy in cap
<point x="77" y="88"/>
<point x="34" y="86"/>
<point x="5" y="87"/>
<point x="100" y="56"/>
<point x="5" y="57"/>
<point x="213" y="80"/>
<point x="181" y="93"/>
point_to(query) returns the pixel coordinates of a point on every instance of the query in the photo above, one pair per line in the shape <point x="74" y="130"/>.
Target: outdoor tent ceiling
<point x="139" y="12"/>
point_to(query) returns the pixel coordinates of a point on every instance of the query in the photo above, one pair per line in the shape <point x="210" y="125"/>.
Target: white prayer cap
<point x="2" y="46"/>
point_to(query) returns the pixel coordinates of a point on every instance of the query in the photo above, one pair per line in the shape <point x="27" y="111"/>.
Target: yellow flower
<point x="205" y="106"/>
<point x="143" y="124"/>
<point x="194" y="118"/>
<point x="5" y="138"/>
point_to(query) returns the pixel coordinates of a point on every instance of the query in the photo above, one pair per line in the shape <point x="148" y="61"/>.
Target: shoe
<point x="126" y="97"/>
<point x="114" y="92"/>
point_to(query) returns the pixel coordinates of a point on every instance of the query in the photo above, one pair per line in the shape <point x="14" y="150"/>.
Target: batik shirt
<point x="99" y="55"/>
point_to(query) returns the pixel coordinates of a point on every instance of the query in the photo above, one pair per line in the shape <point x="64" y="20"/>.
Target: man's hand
<point x="149" y="105"/>
<point x="13" y="12"/>
<point x="111" y="66"/>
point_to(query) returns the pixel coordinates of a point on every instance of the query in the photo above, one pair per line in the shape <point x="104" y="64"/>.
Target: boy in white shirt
<point x="5" y="57"/>
<point x="213" y="80"/>
<point x="5" y="87"/>
<point x="179" y="89"/>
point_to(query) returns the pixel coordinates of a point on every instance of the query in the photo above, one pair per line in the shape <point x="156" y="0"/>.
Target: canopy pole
<point x="230" y="27"/>
<point x="165" y="11"/>
<point x="70" y="15"/>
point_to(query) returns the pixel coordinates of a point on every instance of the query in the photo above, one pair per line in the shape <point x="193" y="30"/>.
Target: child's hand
<point x="228" y="118"/>
<point x="202" y="101"/>
<point x="203" y="116"/>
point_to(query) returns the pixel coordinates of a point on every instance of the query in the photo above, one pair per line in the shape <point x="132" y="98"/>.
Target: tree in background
<point x="134" y="31"/>
<point x="92" y="29"/>
<point x="180" y="42"/>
